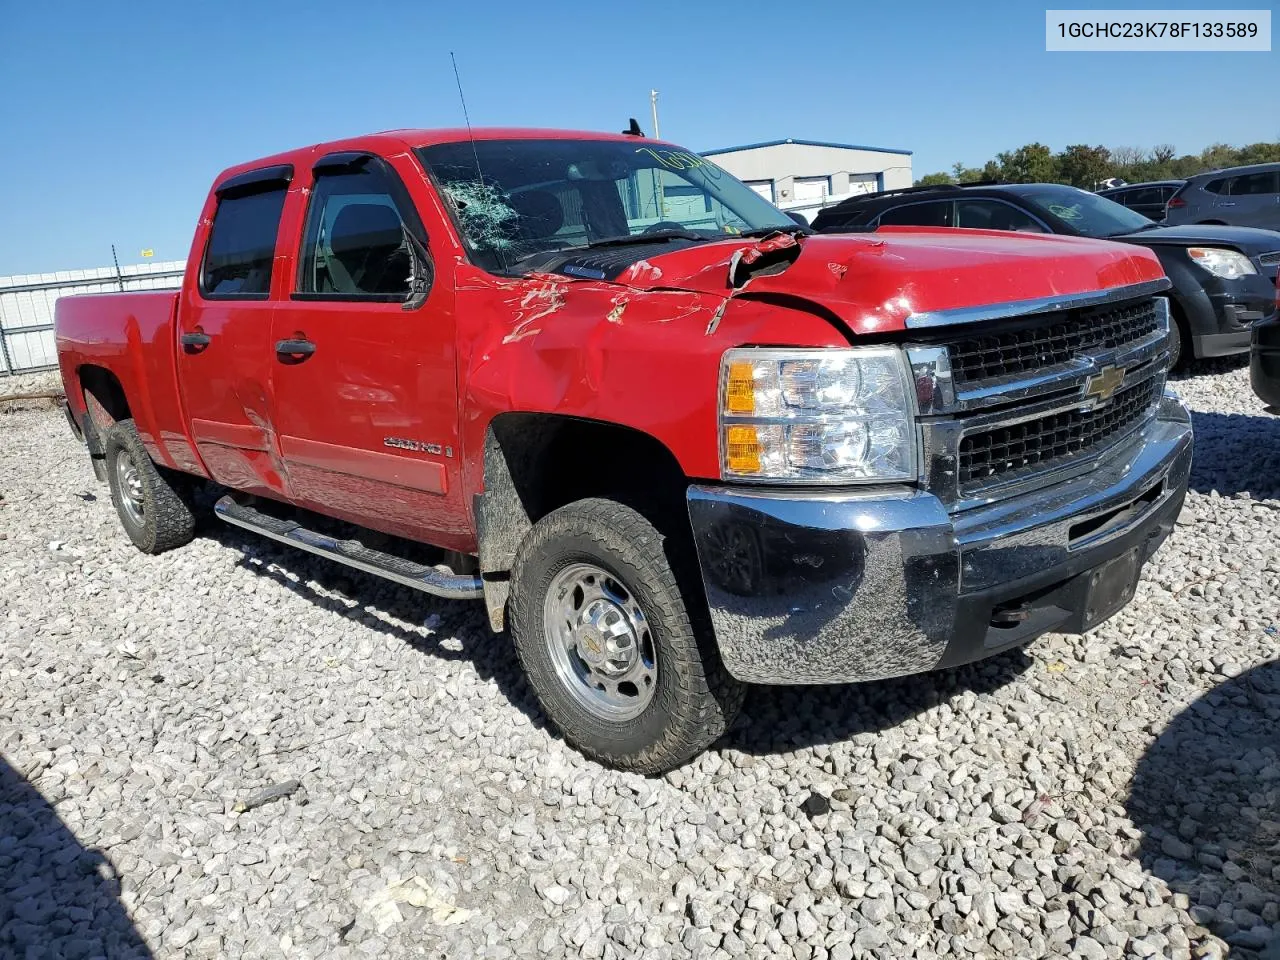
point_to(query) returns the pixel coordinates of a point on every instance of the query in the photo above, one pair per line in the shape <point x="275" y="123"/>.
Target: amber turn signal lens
<point x="742" y="450"/>
<point x="740" y="391"/>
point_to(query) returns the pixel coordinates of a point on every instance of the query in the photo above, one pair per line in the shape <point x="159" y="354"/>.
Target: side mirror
<point x="797" y="217"/>
<point x="422" y="272"/>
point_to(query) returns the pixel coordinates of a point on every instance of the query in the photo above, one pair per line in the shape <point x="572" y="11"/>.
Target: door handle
<point x="294" y="351"/>
<point x="196" y="341"/>
<point x="1226" y="203"/>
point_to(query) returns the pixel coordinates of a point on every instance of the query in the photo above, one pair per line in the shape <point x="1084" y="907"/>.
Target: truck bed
<point x="130" y="337"/>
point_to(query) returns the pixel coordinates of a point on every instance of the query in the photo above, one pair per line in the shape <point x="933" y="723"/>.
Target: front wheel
<point x="153" y="511"/>
<point x="1179" y="356"/>
<point x="607" y="642"/>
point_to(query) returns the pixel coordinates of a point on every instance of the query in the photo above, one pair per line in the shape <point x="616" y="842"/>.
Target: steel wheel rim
<point x="600" y="642"/>
<point x="129" y="481"/>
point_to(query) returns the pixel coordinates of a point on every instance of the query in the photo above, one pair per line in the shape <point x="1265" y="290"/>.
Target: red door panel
<point x="367" y="421"/>
<point x="226" y="356"/>
<point x="367" y="424"/>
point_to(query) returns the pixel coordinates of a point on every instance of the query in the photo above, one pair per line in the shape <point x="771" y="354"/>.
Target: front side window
<point x="242" y="244"/>
<point x="354" y="246"/>
<point x="980" y="214"/>
<point x="1084" y="213"/>
<point x="935" y="213"/>
<point x="515" y="199"/>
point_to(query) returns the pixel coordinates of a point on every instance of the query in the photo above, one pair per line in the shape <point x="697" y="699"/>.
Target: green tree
<point x="1259" y="153"/>
<point x="1218" y="155"/>
<point x="988" y="171"/>
<point x="1033" y="163"/>
<point x="935" y="180"/>
<point x="1084" y="166"/>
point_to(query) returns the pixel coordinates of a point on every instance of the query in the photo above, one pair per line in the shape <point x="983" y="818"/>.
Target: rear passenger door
<point x="366" y="396"/>
<point x="224" y="331"/>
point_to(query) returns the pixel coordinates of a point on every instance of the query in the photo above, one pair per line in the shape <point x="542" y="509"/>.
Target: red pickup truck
<point x="675" y="442"/>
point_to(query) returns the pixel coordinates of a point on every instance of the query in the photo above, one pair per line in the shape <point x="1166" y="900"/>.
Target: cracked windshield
<point x="513" y="199"/>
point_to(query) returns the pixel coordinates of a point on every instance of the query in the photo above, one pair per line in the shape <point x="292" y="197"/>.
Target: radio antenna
<point x="466" y="116"/>
<point x="472" y="137"/>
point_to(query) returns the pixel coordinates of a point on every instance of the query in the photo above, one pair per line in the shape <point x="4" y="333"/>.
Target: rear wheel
<point x="608" y="644"/>
<point x="152" y="507"/>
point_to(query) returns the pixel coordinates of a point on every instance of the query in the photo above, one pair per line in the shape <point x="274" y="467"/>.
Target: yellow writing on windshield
<point x="675" y="159"/>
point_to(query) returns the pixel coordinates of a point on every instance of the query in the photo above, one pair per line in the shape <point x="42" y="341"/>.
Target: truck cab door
<point x="225" y="359"/>
<point x="366" y="395"/>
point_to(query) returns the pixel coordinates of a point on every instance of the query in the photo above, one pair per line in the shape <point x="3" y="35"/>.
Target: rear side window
<point x="935" y="213"/>
<point x="1252" y="184"/>
<point x="242" y="244"/>
<point x="354" y="246"/>
<point x="994" y="215"/>
<point x="1145" y="195"/>
<point x="835" y="218"/>
<point x="1216" y="186"/>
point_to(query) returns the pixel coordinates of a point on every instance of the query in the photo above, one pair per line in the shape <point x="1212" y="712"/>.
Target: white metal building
<point x="809" y="174"/>
<point x="27" y="302"/>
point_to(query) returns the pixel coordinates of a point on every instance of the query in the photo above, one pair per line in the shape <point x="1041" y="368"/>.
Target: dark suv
<point x="1148" y="199"/>
<point x="1224" y="278"/>
<point x="1241" y="196"/>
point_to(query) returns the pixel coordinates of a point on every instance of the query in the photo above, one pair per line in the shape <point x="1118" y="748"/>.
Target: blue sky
<point x="115" y="117"/>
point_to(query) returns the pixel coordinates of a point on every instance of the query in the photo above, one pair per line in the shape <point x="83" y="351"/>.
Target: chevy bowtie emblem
<point x="1104" y="383"/>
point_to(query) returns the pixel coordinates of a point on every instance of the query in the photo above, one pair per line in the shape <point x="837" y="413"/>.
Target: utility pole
<point x="653" y="105"/>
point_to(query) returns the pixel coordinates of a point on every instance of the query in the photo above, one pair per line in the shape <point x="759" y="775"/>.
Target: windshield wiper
<point x="653" y="236"/>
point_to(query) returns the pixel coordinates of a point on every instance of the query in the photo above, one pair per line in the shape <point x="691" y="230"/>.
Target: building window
<point x="762" y="187"/>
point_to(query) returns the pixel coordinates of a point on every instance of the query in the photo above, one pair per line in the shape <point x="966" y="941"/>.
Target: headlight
<point x="817" y="416"/>
<point x="1227" y="264"/>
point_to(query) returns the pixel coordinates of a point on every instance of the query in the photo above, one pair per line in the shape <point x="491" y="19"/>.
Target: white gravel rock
<point x="1098" y="797"/>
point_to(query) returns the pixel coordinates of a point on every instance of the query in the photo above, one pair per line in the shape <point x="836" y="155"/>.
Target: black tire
<point x="693" y="700"/>
<point x="159" y="518"/>
<point x="1179" y="356"/>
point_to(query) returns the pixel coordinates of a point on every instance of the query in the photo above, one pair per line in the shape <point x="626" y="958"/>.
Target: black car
<point x="1224" y="278"/>
<point x="1148" y="199"/>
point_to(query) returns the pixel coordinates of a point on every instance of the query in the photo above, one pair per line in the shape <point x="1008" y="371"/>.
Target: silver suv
<point x="1240" y="196"/>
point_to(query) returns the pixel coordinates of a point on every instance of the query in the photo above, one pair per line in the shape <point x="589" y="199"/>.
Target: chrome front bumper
<point x="833" y="587"/>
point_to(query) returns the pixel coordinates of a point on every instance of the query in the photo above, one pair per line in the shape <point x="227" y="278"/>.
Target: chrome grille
<point x="993" y="432"/>
<point x="1048" y="341"/>
<point x="1009" y="450"/>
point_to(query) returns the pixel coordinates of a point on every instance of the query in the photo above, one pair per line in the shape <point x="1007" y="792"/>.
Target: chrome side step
<point x="452" y="586"/>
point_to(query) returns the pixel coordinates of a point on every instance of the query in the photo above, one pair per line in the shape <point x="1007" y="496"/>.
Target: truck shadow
<point x="1211" y="366"/>
<point x="458" y="629"/>
<point x="1206" y="796"/>
<point x="774" y="719"/>
<point x="57" y="897"/>
<point x="1236" y="453"/>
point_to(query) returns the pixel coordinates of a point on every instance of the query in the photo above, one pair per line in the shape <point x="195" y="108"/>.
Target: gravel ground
<point x="236" y="750"/>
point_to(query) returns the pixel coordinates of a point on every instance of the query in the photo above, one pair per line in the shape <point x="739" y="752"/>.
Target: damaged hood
<point x="874" y="282"/>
